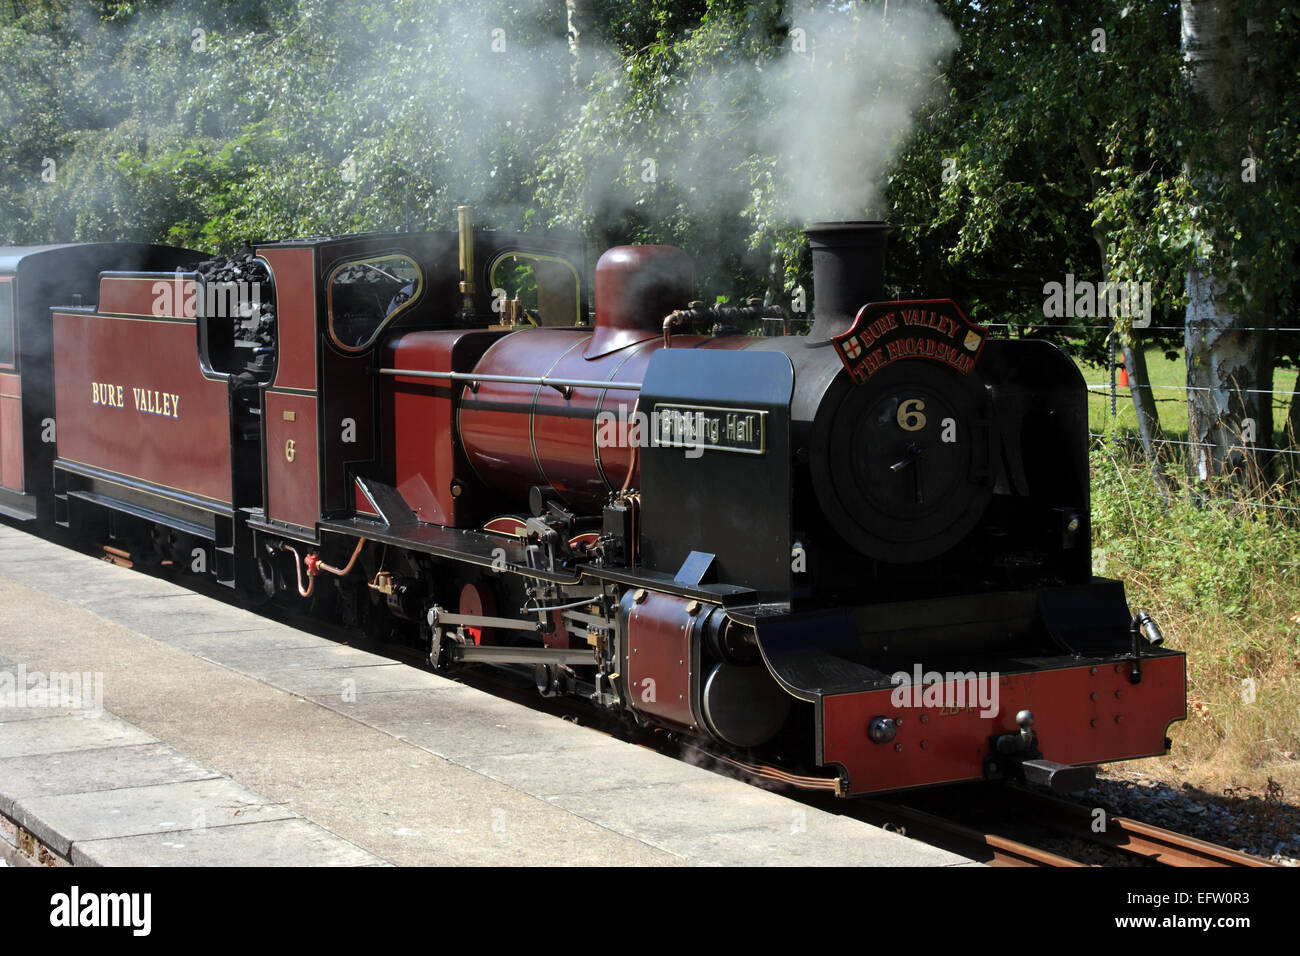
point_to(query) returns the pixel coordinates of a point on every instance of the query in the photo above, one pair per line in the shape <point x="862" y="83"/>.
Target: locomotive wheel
<point x="559" y="636"/>
<point x="266" y="570"/>
<point x="477" y="597"/>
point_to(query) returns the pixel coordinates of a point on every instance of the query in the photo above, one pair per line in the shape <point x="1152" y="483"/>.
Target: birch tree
<point x="1229" y="350"/>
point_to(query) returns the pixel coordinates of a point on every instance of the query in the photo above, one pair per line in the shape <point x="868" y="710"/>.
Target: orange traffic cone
<point x="1122" y="380"/>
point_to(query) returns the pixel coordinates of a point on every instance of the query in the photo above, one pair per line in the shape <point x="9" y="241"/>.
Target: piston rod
<point x="439" y="617"/>
<point x="470" y="653"/>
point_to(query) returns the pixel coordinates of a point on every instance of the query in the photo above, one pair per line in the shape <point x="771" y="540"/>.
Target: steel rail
<point x="1000" y="850"/>
<point x="1173" y="849"/>
<point x="1146" y="840"/>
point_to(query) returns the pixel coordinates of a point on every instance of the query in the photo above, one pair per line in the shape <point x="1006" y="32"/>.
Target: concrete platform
<point x="200" y="733"/>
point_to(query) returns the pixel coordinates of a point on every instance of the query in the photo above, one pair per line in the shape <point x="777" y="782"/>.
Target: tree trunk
<point x="1292" y="426"/>
<point x="774" y="292"/>
<point x="1229" y="369"/>
<point x="575" y="64"/>
<point x="1135" y="360"/>
<point x="1148" y="416"/>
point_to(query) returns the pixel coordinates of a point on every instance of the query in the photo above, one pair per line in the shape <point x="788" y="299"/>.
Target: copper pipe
<point x="631" y="467"/>
<point x="677" y="317"/>
<point x="768" y="772"/>
<point x="297" y="568"/>
<point x="631" y="462"/>
<point x="117" y="556"/>
<point x="344" y="572"/>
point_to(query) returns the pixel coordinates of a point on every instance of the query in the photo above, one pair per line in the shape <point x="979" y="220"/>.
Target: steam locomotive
<point x="860" y="555"/>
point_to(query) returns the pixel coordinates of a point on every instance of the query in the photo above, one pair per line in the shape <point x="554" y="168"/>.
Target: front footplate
<point x="946" y="732"/>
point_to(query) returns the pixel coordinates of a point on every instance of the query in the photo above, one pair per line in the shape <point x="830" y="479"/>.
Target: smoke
<point x="817" y="125"/>
<point x="326" y="116"/>
<point x="748" y="133"/>
<point x="843" y="106"/>
<point x="738" y="128"/>
<point x="497" y="88"/>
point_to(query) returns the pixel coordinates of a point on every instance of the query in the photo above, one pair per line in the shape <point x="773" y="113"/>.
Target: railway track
<point x="1022" y="821"/>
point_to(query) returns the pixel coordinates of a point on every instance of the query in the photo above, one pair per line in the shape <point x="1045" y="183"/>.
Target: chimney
<point x="848" y="272"/>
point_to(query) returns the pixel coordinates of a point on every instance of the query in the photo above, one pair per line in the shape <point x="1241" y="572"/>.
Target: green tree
<point x="1241" y="208"/>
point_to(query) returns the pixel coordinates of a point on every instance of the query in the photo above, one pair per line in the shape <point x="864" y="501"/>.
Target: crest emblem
<point x="933" y="330"/>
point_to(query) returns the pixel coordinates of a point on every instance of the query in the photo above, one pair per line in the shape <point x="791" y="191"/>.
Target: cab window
<point x="365" y="295"/>
<point x="547" y="286"/>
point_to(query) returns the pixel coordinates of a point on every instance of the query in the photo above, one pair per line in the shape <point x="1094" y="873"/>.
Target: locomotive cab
<point x="341" y="302"/>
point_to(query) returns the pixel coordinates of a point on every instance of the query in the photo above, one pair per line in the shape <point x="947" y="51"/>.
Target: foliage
<point x="1223" y="556"/>
<point x="1064" y="157"/>
<point x="1223" y="582"/>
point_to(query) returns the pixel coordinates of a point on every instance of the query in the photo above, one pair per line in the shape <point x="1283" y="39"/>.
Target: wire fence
<point x="1281" y="495"/>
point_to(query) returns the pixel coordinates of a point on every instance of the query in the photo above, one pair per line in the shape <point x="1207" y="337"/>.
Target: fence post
<point x="1114" y="407"/>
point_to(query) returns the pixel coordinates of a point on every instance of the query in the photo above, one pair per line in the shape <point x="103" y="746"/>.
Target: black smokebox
<point x="848" y="272"/>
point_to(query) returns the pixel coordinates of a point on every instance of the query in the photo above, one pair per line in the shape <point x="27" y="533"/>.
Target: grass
<point x="1223" y="581"/>
<point x="1168" y="383"/>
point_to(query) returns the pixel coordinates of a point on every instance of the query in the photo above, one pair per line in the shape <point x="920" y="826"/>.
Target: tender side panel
<point x="152" y="295"/>
<point x="131" y="399"/>
<point x="8" y="324"/>
<point x="1082" y="715"/>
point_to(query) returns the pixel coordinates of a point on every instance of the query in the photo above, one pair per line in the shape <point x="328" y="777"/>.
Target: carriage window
<point x="548" y="287"/>
<point x="7" y="357"/>
<point x="365" y="295"/>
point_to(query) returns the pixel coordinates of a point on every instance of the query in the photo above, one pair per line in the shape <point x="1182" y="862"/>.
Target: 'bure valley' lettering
<point x="919" y="346"/>
<point x="147" y="400"/>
